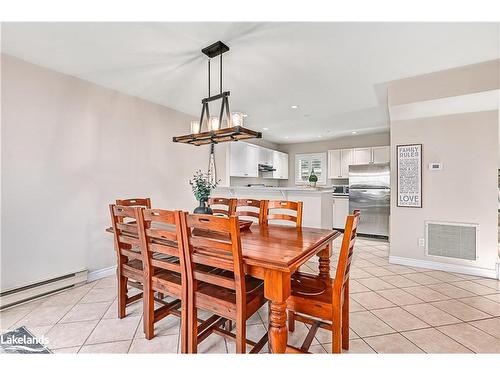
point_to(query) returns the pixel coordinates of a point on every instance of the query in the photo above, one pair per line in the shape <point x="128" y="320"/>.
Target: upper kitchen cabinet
<point x="306" y="163"/>
<point x="362" y="155"/>
<point x="280" y="163"/>
<point x="338" y="163"/>
<point x="244" y="160"/>
<point x="381" y="154"/>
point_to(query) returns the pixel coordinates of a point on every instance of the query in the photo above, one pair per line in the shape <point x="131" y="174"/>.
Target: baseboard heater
<point x="26" y="293"/>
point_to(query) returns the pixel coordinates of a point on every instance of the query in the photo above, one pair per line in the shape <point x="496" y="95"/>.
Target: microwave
<point x="340" y="189"/>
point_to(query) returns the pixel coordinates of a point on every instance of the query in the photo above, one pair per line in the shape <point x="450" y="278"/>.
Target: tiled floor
<point x="394" y="309"/>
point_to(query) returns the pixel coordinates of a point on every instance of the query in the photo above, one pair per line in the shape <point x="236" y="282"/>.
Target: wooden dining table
<point x="273" y="253"/>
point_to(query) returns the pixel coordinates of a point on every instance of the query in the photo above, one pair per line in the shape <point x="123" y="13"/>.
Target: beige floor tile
<point x="169" y="325"/>
<point x="254" y="333"/>
<point x="431" y="340"/>
<point x="425" y="293"/>
<point x="371" y="300"/>
<point x="393" y="343"/>
<point x="399" y="281"/>
<point x="324" y="336"/>
<point x="460" y="310"/>
<point x="365" y="324"/>
<point x="115" y="330"/>
<point x="378" y="271"/>
<point x="99" y="295"/>
<point x="107" y="282"/>
<point x="463" y="276"/>
<point x="362" y="263"/>
<point x="72" y="350"/>
<point x="317" y="349"/>
<point x="69" y="334"/>
<point x="297" y="337"/>
<point x="86" y="311"/>
<point x="356" y="346"/>
<point x="116" y="347"/>
<point x="474" y="287"/>
<point x="159" y="344"/>
<point x="132" y="310"/>
<point x="68" y="297"/>
<point x="472" y="338"/>
<point x="358" y="273"/>
<point x="399" y="297"/>
<point x="490" y="326"/>
<point x="398" y="269"/>
<point x="430" y="314"/>
<point x="483" y="304"/>
<point x="374" y="283"/>
<point x="43" y="316"/>
<point x="490" y="283"/>
<point x="399" y="319"/>
<point x="354" y="306"/>
<point x="8" y="318"/>
<point x="451" y="291"/>
<point x="356" y="287"/>
<point x="40" y="331"/>
<point x="493" y="297"/>
<point x="381" y="262"/>
<point x="215" y="344"/>
<point x="444" y="276"/>
<point x="422" y="278"/>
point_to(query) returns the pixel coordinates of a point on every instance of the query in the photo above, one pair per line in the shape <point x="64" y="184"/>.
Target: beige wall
<point x="362" y="140"/>
<point x="465" y="191"/>
<point x="69" y="148"/>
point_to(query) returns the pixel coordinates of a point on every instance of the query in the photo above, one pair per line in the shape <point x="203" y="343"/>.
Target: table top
<point x="281" y="247"/>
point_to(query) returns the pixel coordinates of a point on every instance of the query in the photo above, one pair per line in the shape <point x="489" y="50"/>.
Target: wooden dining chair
<point x="273" y="210"/>
<point x="133" y="202"/>
<point x="316" y="300"/>
<point x="226" y="292"/>
<point x="250" y="209"/>
<point x="160" y="237"/>
<point x="222" y="206"/>
<point x="129" y="269"/>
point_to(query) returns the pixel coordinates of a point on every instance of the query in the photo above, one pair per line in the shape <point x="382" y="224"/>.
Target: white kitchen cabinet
<point x="340" y="211"/>
<point x="266" y="156"/>
<point x="338" y="163"/>
<point x="244" y="160"/>
<point x="362" y="155"/>
<point x="381" y="154"/>
<point x="347" y="160"/>
<point x="280" y="163"/>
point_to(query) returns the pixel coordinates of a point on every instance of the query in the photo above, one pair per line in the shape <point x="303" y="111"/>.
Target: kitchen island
<point x="317" y="212"/>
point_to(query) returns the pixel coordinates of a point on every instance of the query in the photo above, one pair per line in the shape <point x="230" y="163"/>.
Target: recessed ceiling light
<point x="319" y="136"/>
<point x="286" y="137"/>
<point x="265" y="128"/>
<point x="295" y="106"/>
<point x="354" y="132"/>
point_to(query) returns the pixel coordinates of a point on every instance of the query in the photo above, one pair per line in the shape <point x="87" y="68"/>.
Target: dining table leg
<point x="324" y="261"/>
<point x="277" y="290"/>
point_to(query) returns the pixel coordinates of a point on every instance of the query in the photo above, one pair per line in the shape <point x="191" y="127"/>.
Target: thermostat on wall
<point x="435" y="166"/>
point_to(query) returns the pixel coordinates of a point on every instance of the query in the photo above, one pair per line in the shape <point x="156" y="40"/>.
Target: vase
<point x="203" y="209"/>
<point x="312" y="184"/>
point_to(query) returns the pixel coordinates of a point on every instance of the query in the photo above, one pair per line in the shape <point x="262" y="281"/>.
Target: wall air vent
<point x="452" y="240"/>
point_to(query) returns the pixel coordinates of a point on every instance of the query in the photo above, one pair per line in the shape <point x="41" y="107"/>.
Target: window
<point x="306" y="163"/>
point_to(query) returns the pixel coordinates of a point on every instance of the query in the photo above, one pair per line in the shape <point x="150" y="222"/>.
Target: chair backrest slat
<point x="125" y="240"/>
<point x="273" y="210"/>
<point x="246" y="208"/>
<point x="228" y="206"/>
<point x="134" y="202"/>
<point x="346" y="252"/>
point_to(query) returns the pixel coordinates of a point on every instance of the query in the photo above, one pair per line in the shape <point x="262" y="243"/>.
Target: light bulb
<point x="213" y="124"/>
<point x="237" y="118"/>
<point x="195" y="127"/>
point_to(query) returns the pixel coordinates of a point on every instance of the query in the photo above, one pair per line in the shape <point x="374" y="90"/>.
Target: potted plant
<point x="202" y="188"/>
<point x="313" y="179"/>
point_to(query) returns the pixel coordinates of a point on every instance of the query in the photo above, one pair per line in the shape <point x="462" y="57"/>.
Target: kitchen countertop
<point x="279" y="188"/>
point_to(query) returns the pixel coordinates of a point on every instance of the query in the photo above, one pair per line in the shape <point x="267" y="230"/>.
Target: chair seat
<point x="311" y="295"/>
<point x="207" y="293"/>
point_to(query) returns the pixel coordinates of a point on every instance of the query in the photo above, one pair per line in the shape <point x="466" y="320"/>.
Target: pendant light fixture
<point x="225" y="127"/>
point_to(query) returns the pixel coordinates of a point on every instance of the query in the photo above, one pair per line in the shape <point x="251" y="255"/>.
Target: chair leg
<point x="184" y="327"/>
<point x="241" y="341"/>
<point x="337" y="332"/>
<point x="291" y="321"/>
<point x="122" y="295"/>
<point x="149" y="311"/>
<point x="192" y="329"/>
<point x="345" y="318"/>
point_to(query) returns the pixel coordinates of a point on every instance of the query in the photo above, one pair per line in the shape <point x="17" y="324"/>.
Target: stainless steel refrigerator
<point x="369" y="191"/>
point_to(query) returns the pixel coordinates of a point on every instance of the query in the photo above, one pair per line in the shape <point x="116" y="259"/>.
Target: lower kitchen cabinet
<point x="340" y="211"/>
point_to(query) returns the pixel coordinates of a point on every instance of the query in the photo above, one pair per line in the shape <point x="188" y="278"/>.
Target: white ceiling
<point x="336" y="72"/>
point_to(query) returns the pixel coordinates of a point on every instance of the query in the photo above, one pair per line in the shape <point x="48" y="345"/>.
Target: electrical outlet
<point x="421" y="242"/>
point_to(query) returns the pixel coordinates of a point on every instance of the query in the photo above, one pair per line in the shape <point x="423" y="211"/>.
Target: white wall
<point x="69" y="148"/>
<point x="466" y="142"/>
<point x="362" y="140"/>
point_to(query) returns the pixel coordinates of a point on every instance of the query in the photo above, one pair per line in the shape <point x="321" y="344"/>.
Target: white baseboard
<point x="474" y="271"/>
<point x="100" y="274"/>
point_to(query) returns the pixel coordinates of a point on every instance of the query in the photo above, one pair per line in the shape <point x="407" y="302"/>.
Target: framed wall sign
<point x="409" y="170"/>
